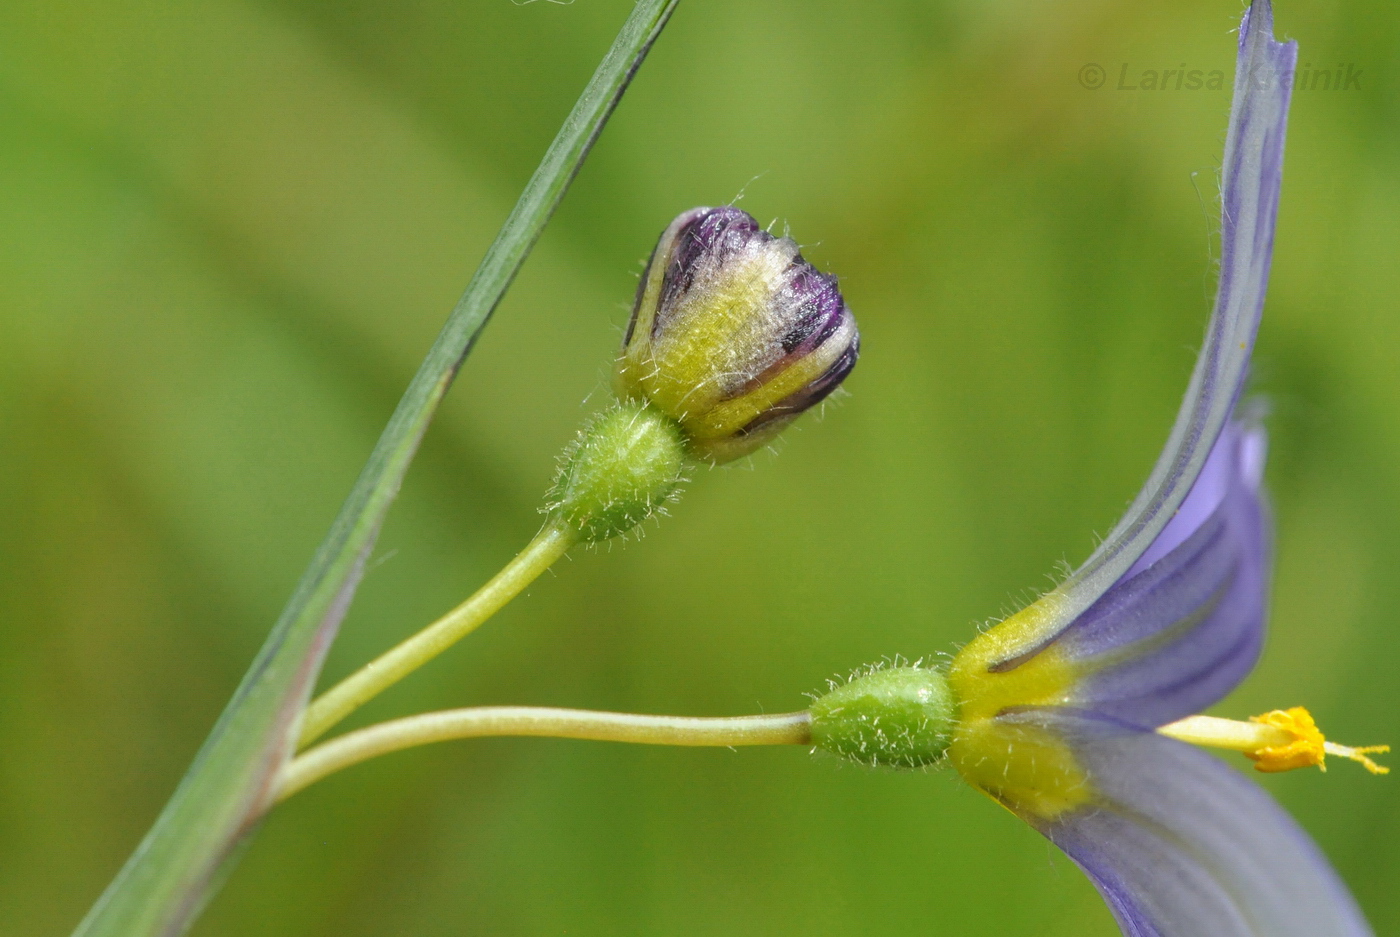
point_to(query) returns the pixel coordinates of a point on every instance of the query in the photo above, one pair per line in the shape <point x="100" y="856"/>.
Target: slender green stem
<point x="393" y="665"/>
<point x="181" y="861"/>
<point x="373" y="741"/>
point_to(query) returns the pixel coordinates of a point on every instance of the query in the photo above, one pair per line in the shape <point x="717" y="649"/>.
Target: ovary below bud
<point x="733" y="334"/>
<point x="624" y="466"/>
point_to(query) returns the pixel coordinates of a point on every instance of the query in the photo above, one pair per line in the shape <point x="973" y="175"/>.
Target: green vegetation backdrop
<point x="231" y="228"/>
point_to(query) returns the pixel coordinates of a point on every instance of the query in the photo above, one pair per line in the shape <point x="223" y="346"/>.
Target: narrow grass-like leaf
<point x="179" y="864"/>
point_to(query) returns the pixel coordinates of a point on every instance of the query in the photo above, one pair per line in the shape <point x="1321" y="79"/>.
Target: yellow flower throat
<point x="1033" y="771"/>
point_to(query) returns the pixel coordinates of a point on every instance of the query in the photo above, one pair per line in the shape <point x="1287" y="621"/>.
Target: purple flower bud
<point x="733" y="334"/>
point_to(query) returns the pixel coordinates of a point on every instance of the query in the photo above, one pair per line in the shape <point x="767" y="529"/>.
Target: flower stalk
<point x="354" y="747"/>
<point x="624" y="465"/>
<point x="389" y="668"/>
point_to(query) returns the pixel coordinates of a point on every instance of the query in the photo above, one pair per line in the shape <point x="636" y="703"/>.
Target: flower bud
<point x="625" y="464"/>
<point x="900" y="717"/>
<point x="733" y="333"/>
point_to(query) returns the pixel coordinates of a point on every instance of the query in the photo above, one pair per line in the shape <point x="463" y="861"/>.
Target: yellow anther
<point x="1305" y="745"/>
<point x="1276" y="741"/>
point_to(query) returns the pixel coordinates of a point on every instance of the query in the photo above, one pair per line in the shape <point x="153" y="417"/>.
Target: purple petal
<point x="1251" y="174"/>
<point x="1202" y="500"/>
<point x="1180" y="845"/>
<point x="1186" y="625"/>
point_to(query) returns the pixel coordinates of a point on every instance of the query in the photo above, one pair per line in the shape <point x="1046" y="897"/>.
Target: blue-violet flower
<point x="1072" y="712"/>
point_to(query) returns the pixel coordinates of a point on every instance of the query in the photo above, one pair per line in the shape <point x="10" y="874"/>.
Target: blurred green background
<point x="231" y="228"/>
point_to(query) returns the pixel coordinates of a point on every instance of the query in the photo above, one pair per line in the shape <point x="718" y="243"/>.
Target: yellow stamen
<point x="1276" y="741"/>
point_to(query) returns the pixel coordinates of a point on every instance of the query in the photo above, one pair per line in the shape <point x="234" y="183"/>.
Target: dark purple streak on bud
<point x="811" y="395"/>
